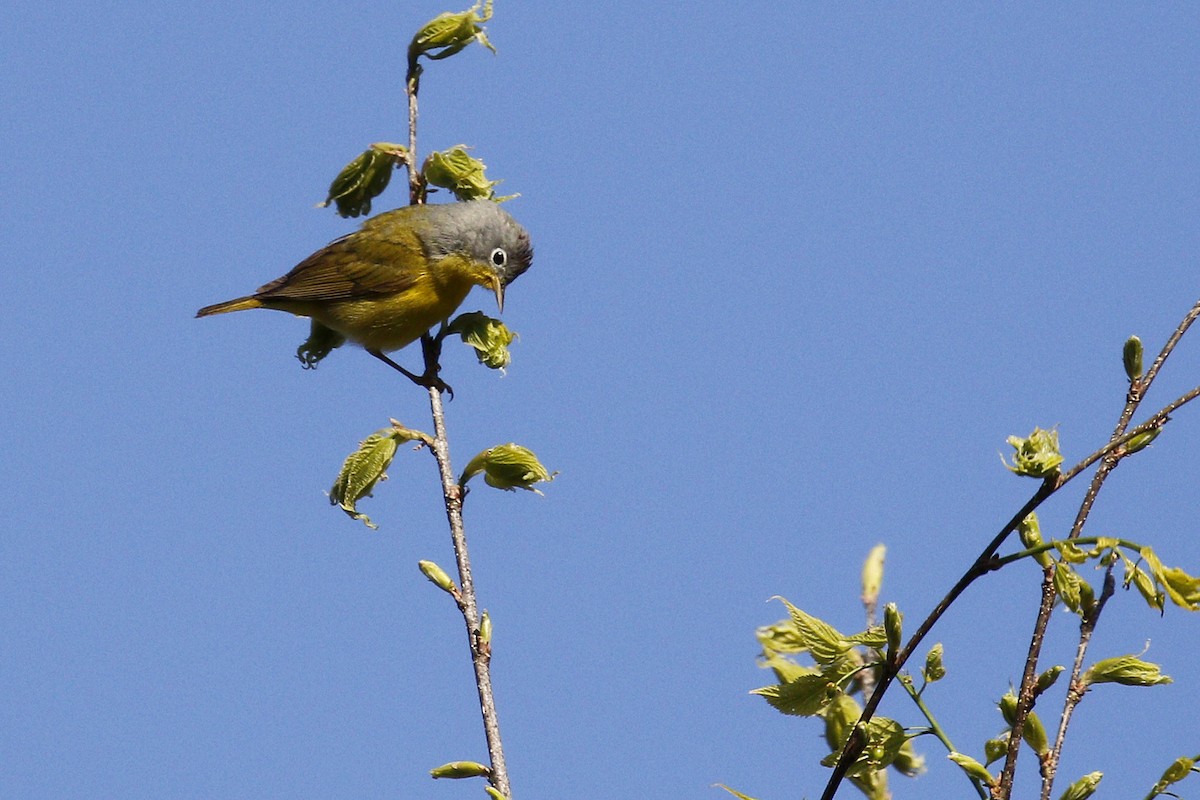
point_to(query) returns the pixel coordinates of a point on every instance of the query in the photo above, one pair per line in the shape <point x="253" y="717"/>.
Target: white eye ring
<point x="499" y="257"/>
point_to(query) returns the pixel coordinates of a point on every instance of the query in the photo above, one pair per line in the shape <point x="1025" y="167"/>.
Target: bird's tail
<point x="240" y="304"/>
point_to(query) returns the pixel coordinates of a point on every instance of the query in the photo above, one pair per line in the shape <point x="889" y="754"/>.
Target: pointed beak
<point x="498" y="288"/>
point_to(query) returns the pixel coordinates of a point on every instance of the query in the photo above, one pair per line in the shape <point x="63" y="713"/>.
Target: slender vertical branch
<point x="1074" y="693"/>
<point x="453" y="494"/>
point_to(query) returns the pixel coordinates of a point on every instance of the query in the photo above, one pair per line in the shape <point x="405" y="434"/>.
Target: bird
<point x="385" y="285"/>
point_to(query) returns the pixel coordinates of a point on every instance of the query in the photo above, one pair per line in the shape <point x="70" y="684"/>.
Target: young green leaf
<point x="803" y="697"/>
<point x="1037" y="456"/>
<point x="1083" y="788"/>
<point x="973" y="768"/>
<point x="461" y="769"/>
<point x="488" y="336"/>
<point x="934" y="669"/>
<point x="1047" y="679"/>
<point x="1180" y="768"/>
<point x="448" y="33"/>
<point x="1069" y="586"/>
<point x="872" y="574"/>
<point x="368" y="465"/>
<point x="464" y="175"/>
<point x="1126" y="670"/>
<point x="365" y="178"/>
<point x="1030" y="532"/>
<point x="823" y="641"/>
<point x="1131" y="357"/>
<point x="908" y="762"/>
<point x="508" y="467"/>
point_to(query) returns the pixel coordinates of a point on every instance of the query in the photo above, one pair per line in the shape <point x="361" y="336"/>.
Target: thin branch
<point x="1111" y="455"/>
<point x="1074" y="693"/>
<point x="453" y="494"/>
<point x="986" y="562"/>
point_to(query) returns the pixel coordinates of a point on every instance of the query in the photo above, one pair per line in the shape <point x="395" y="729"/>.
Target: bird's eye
<point x="499" y="257"/>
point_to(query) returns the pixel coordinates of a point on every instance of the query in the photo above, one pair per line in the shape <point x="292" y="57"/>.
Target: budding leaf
<point x="448" y="33"/>
<point x="365" y="178"/>
<point x="461" y="769"/>
<point x="1083" y="788"/>
<point x="1047" y="678"/>
<point x="934" y="669"/>
<point x="1030" y="531"/>
<point x="973" y="768"/>
<point x="1069" y="586"/>
<point x="488" y="336"/>
<point x="1180" y="768"/>
<point x="438" y="577"/>
<point x="995" y="749"/>
<point x="1131" y="356"/>
<point x="738" y="795"/>
<point x="1125" y="670"/>
<point x="872" y="574"/>
<point x="840" y="715"/>
<point x="508" y="467"/>
<point x="884" y="738"/>
<point x="1035" y="457"/>
<point x="368" y="465"/>
<point x="495" y="793"/>
<point x="464" y="175"/>
<point x="321" y="342"/>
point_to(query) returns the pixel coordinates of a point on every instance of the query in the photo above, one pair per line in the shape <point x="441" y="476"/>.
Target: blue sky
<point x="799" y="273"/>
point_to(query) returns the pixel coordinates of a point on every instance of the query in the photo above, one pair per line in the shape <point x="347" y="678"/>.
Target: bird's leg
<point x="427" y="380"/>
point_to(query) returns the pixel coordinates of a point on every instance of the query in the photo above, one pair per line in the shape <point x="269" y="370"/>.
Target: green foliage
<point x="1126" y="670"/>
<point x="448" y="33"/>
<point x="1083" y="788"/>
<point x="461" y="769"/>
<point x="365" y="178"/>
<point x="1131" y="357"/>
<point x="1180" y="768"/>
<point x="507" y="466"/>
<point x="1037" y="456"/>
<point x="488" y="336"/>
<point x="368" y="465"/>
<point x="465" y="176"/>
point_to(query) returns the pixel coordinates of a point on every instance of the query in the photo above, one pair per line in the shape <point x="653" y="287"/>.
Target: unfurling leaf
<point x="995" y="749"/>
<point x="448" y="33"/>
<point x="507" y="466"/>
<point x="368" y="465"/>
<point x="872" y="574"/>
<point x="934" y="669"/>
<point x="973" y="768"/>
<point x="1125" y="670"/>
<point x="893" y="626"/>
<point x="1030" y="531"/>
<point x="840" y="715"/>
<point x="803" y="697"/>
<point x="1083" y="788"/>
<point x="488" y="336"/>
<point x="461" y="769"/>
<point x="321" y="342"/>
<point x="1047" y="679"/>
<point x="1180" y="768"/>
<point x="464" y="175"/>
<point x="1131" y="356"/>
<point x="823" y="641"/>
<point x="365" y="178"/>
<point x="1035" y="457"/>
<point x="1069" y="586"/>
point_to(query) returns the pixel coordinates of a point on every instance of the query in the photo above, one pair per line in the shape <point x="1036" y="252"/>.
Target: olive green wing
<point x="352" y="267"/>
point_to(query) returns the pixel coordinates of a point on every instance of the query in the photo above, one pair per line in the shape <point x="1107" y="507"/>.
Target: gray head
<point x="482" y="230"/>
